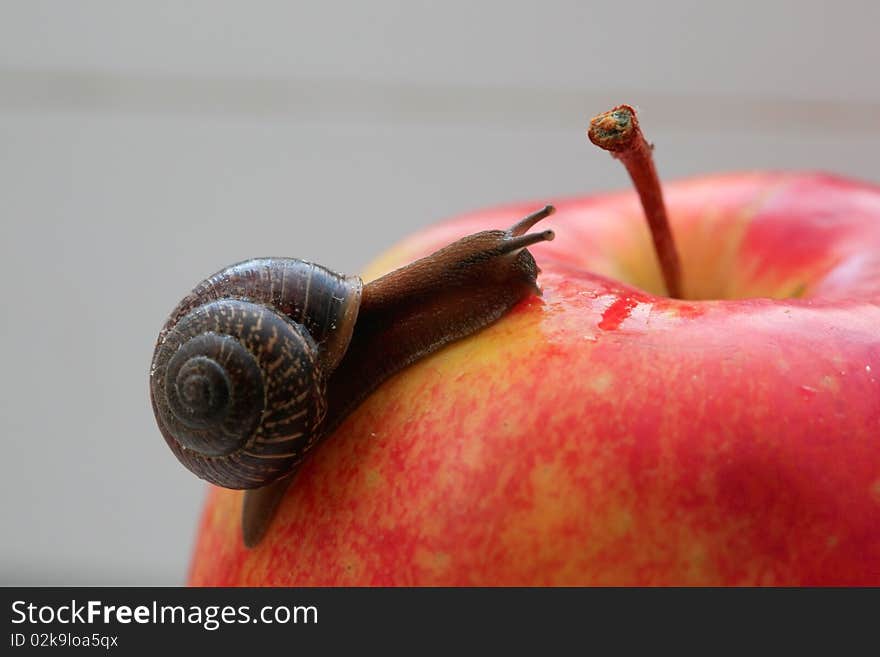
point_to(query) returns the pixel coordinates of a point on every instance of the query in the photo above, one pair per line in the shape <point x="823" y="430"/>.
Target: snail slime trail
<point x="265" y="358"/>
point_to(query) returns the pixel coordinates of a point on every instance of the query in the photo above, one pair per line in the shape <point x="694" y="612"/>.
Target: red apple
<point x="607" y="434"/>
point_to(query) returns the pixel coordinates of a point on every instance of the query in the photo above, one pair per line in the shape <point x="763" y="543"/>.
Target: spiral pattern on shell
<point x="239" y="373"/>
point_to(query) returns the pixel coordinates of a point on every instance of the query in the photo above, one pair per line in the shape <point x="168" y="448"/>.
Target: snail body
<point x="265" y="358"/>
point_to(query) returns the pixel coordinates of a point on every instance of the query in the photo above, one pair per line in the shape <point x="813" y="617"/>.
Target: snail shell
<point x="239" y="375"/>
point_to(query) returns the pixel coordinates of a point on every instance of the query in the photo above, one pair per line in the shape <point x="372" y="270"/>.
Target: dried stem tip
<point x="618" y="132"/>
<point x="615" y="131"/>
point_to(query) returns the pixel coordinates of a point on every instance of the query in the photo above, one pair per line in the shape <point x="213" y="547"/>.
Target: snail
<point x="264" y="359"/>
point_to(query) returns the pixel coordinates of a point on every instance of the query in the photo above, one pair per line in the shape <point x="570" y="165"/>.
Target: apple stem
<point x="618" y="132"/>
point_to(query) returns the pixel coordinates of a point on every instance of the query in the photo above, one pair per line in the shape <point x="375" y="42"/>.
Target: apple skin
<point x="604" y="434"/>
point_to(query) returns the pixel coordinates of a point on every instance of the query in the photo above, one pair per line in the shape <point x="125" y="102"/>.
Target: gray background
<point x="144" y="145"/>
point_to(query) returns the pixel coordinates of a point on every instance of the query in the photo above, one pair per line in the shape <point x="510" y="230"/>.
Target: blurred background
<point x="145" y="145"/>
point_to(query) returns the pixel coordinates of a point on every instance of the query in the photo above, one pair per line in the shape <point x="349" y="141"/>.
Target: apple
<point x="606" y="433"/>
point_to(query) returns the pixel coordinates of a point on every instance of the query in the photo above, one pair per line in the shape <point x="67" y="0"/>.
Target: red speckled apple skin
<point x="601" y="434"/>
